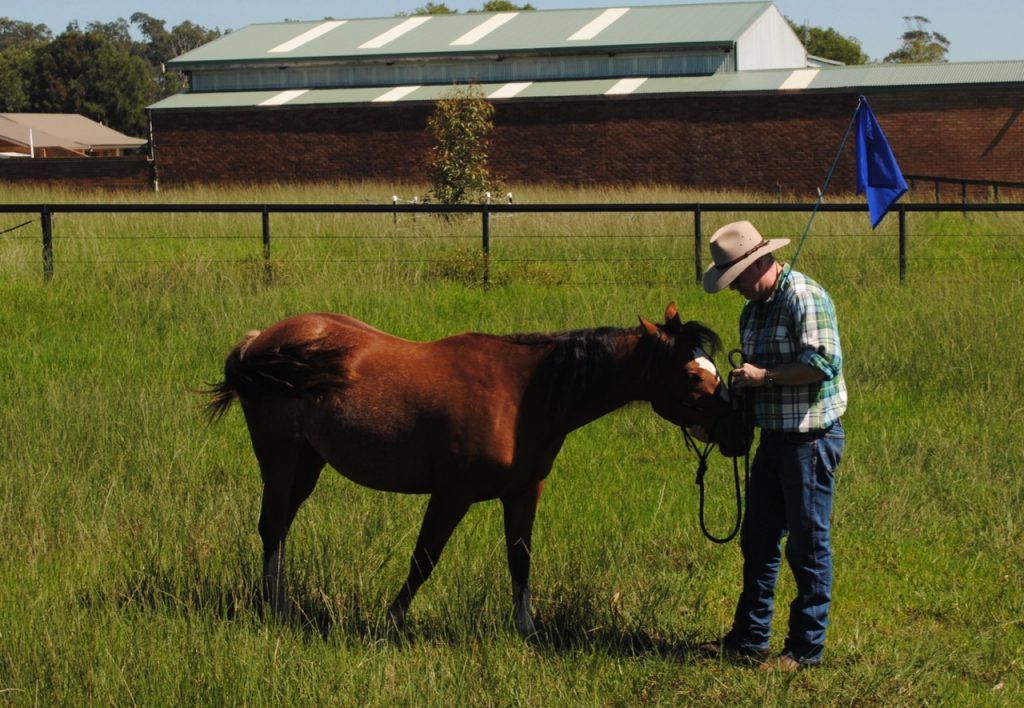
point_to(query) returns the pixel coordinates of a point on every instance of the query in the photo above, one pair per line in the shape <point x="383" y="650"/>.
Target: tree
<point x="434" y="8"/>
<point x="117" y="31"/>
<point x="461" y="125"/>
<point x="87" y="73"/>
<point x="503" y="6"/>
<point x="919" y="45"/>
<point x="17" y="33"/>
<point x="18" y="44"/>
<point x="15" y="65"/>
<point x="101" y="73"/>
<point x="829" y="44"/>
<point x="163" y="46"/>
<point x="440" y="8"/>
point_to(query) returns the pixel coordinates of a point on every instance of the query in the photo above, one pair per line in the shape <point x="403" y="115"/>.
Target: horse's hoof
<point x="528" y="631"/>
<point x="396" y="620"/>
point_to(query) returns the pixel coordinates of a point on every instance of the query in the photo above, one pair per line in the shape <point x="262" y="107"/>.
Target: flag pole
<point x="822" y="190"/>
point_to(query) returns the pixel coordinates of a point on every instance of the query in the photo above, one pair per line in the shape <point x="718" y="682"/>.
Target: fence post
<point x="903" y="243"/>
<point x="485" y="215"/>
<point x="697" y="247"/>
<point x="45" y="218"/>
<point x="266" y="233"/>
<point x="268" y="273"/>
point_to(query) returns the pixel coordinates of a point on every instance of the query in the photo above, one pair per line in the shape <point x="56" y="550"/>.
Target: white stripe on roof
<point x="395" y="94"/>
<point x="483" y="29"/>
<point x="307" y="36"/>
<point x="509" y="90"/>
<point x="394" y="33"/>
<point x="799" y="79"/>
<point x="284" y="97"/>
<point x="599" y="23"/>
<point x="623" y="87"/>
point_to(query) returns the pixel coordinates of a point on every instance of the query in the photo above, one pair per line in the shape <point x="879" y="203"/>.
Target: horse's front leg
<point x="444" y="512"/>
<point x="520" y="511"/>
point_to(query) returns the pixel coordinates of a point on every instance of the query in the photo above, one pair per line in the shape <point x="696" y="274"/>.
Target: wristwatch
<point x="769" y="378"/>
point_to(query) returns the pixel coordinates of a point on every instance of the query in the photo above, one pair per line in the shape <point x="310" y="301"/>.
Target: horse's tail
<point x="286" y="370"/>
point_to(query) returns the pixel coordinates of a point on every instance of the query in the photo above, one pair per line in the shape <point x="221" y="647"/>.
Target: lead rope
<point x="702" y="466"/>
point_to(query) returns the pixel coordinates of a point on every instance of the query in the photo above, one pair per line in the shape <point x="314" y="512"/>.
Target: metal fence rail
<point x="485" y="210"/>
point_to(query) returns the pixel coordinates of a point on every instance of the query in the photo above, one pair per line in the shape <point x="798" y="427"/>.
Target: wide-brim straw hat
<point x="734" y="247"/>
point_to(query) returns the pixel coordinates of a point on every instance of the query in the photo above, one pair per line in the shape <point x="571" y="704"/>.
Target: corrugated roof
<point x="535" y="31"/>
<point x="865" y="77"/>
<point x="73" y="131"/>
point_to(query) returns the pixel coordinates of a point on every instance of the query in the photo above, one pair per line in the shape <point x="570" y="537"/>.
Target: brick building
<point x="713" y="95"/>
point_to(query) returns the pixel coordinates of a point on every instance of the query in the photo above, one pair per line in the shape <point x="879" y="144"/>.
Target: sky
<point x="978" y="30"/>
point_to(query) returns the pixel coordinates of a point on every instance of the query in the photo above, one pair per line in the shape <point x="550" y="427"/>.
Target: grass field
<point x="131" y="557"/>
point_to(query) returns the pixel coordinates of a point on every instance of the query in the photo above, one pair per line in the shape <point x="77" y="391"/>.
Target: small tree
<point x="829" y="44"/>
<point x="503" y="6"/>
<point x="434" y="8"/>
<point x="461" y="125"/>
<point x="919" y="45"/>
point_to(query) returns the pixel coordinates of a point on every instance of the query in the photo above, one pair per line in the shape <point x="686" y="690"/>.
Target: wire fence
<point x="480" y="242"/>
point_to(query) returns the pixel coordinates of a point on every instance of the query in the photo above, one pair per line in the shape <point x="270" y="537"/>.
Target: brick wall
<point x="767" y="143"/>
<point x="131" y="173"/>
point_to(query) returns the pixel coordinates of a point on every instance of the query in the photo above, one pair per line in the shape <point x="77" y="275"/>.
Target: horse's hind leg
<point x="444" y="512"/>
<point x="520" y="511"/>
<point x="289" y="475"/>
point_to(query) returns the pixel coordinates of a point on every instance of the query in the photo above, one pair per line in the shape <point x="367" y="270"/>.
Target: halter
<point x="703" y="452"/>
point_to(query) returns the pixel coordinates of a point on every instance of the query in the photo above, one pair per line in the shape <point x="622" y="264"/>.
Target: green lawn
<point x="131" y="557"/>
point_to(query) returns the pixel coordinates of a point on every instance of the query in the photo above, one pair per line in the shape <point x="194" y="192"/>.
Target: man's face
<point x="753" y="283"/>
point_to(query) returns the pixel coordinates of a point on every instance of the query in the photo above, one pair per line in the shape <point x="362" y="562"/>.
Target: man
<point x="793" y="382"/>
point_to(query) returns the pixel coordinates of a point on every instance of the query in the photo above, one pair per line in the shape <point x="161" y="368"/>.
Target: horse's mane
<point x="575" y="360"/>
<point x="579" y="358"/>
<point x="695" y="335"/>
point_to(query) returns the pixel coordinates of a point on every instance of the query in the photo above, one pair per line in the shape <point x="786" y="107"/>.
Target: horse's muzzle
<point x="732" y="435"/>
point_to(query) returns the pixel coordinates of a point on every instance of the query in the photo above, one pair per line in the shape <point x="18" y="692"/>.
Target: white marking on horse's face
<point x="704" y="362"/>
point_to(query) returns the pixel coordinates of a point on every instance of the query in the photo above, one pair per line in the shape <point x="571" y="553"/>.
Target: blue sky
<point x="982" y="30"/>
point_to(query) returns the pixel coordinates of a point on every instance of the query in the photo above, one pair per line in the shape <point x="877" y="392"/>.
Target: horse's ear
<point x="649" y="326"/>
<point x="672" y="320"/>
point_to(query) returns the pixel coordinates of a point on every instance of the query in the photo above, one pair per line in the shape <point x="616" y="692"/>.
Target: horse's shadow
<point x="562" y="627"/>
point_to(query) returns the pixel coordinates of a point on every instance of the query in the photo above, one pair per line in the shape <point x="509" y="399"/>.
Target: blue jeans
<point x="790" y="490"/>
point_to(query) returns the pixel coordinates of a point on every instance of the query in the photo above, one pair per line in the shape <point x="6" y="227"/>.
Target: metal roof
<point x="532" y="32"/>
<point x="863" y="77"/>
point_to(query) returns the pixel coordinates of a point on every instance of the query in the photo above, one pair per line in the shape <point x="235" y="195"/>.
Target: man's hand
<point x="749" y="376"/>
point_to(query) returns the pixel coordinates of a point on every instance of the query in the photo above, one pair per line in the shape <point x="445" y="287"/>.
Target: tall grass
<point x="130" y="561"/>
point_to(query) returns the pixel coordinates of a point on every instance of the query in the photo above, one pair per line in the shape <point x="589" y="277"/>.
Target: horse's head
<point x="687" y="389"/>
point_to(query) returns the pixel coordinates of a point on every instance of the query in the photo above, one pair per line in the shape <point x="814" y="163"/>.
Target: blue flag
<point x="878" y="175"/>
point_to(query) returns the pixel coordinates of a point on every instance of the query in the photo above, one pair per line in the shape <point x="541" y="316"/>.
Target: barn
<point x="716" y="95"/>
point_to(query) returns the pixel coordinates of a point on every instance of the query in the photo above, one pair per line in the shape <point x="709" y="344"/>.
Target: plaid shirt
<point x="797" y="323"/>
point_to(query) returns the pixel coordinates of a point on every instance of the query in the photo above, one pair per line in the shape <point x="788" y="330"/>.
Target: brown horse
<point x="463" y="419"/>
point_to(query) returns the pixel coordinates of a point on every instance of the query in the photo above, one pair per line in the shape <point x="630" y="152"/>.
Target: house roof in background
<point x="26" y="136"/>
<point x="67" y="130"/>
<point x="532" y="32"/>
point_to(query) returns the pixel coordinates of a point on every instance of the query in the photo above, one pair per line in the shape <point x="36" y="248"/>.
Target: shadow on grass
<point x="566" y="625"/>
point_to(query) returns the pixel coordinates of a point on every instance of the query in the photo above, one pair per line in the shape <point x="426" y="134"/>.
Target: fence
<point x="486" y="212"/>
<point x="964" y="188"/>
